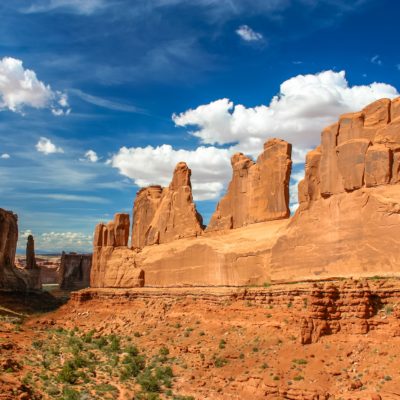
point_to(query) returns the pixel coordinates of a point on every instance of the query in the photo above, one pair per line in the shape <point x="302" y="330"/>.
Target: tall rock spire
<point x="30" y="253"/>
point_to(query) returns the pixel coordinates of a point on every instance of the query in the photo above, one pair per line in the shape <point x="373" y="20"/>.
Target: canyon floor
<point x="332" y="340"/>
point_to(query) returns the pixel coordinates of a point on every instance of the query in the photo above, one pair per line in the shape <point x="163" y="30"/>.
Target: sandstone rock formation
<point x="12" y="278"/>
<point x="258" y="191"/>
<point x="74" y="271"/>
<point x="107" y="238"/>
<point x="161" y="215"/>
<point x="348" y="220"/>
<point x="238" y="257"/>
<point x="347" y="224"/>
<point x="30" y="253"/>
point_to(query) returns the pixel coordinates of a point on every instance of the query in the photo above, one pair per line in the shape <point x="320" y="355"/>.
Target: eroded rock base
<point x="327" y="340"/>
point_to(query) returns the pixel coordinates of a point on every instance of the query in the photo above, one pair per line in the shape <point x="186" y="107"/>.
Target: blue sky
<point x="141" y="85"/>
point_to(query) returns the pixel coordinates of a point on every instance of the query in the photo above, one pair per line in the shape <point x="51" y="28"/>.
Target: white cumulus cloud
<point x="20" y="88"/>
<point x="5" y="156"/>
<point x="304" y="106"/>
<point x="247" y="34"/>
<point x="154" y="165"/>
<point x="46" y="146"/>
<point x="91" y="156"/>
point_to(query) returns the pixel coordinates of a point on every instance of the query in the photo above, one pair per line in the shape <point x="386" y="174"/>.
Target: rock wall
<point x="258" y="191"/>
<point x="237" y="257"/>
<point x="161" y="215"/>
<point x="348" y="221"/>
<point x="12" y="278"/>
<point x="74" y="271"/>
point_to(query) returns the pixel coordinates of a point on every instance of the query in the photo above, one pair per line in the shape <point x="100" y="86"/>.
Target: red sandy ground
<point x="262" y="346"/>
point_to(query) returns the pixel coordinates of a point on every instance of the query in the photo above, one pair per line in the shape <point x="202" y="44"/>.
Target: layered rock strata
<point x="258" y="191"/>
<point x="12" y="278"/>
<point x="348" y="221"/>
<point x="161" y="215"/>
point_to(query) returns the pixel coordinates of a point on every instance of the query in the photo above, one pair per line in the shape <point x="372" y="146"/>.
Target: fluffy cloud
<point x="247" y="34"/>
<point x="91" y="156"/>
<point x="154" y="165"/>
<point x="58" y="241"/>
<point x="46" y="146"/>
<point x="304" y="105"/>
<point x="5" y="156"/>
<point x="20" y="88"/>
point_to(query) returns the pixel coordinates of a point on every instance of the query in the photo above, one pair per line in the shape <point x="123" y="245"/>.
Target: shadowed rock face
<point x="161" y="215"/>
<point x="30" y="253"/>
<point x="75" y="271"/>
<point x="258" y="191"/>
<point x="12" y="278"/>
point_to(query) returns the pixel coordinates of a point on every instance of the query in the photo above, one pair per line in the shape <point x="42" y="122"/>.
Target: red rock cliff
<point x="258" y="191"/>
<point x="348" y="221"/>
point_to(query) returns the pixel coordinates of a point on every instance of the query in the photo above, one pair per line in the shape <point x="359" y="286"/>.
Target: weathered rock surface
<point x="12" y="278"/>
<point x="161" y="215"/>
<point x="74" y="273"/>
<point x="258" y="191"/>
